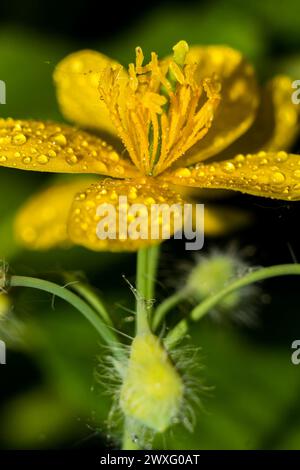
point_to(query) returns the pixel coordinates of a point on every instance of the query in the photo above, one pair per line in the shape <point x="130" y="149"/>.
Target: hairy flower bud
<point x="152" y="391"/>
<point x="213" y="273"/>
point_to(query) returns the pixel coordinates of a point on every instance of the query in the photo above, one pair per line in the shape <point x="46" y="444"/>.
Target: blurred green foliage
<point x="254" y="403"/>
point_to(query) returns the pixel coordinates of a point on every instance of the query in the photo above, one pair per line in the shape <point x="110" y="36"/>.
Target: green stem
<point x="21" y="281"/>
<point x="88" y="293"/>
<point x="255" y="276"/>
<point x="168" y="304"/>
<point x="153" y="258"/>
<point x="147" y="261"/>
<point x="127" y="442"/>
<point x="176" y="334"/>
<point x="142" y="324"/>
<point x="180" y="330"/>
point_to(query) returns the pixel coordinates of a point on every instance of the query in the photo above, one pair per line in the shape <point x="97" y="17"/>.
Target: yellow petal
<point x="92" y="214"/>
<point x="276" y="125"/>
<point x="77" y="81"/>
<point x="220" y="220"/>
<point x="274" y="174"/>
<point x="41" y="222"/>
<point x="50" y="147"/>
<point x="239" y="98"/>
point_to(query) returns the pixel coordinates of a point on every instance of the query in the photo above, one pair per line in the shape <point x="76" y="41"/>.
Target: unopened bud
<point x="152" y="391"/>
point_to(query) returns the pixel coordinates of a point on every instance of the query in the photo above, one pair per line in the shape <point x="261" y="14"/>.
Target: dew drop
<point x="113" y="196"/>
<point x="72" y="160"/>
<point x="239" y="158"/>
<point x="81" y="196"/>
<point x="183" y="173"/>
<point x="277" y="177"/>
<point x="228" y="167"/>
<point x="26" y="160"/>
<point x="19" y="139"/>
<point x="102" y="168"/>
<point x="119" y="169"/>
<point x="3" y="158"/>
<point x="281" y="156"/>
<point x="42" y="159"/>
<point x="60" y="139"/>
<point x="114" y="157"/>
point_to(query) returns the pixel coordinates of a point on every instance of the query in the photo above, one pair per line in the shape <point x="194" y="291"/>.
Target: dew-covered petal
<point x="77" y="80"/>
<point x="41" y="223"/>
<point x="92" y="214"/>
<point x="58" y="148"/>
<point x="239" y="98"/>
<point x="268" y="174"/>
<point x="276" y="125"/>
<point x="224" y="220"/>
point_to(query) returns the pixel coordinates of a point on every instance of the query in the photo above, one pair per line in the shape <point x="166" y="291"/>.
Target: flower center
<point x="159" y="109"/>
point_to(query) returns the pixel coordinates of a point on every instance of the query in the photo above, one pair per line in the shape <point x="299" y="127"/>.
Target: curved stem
<point x="21" y="281"/>
<point x="255" y="276"/>
<point x="88" y="293"/>
<point x="179" y="331"/>
<point x="166" y="306"/>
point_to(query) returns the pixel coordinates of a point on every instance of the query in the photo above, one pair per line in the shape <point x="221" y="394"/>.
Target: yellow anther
<point x="161" y="111"/>
<point x="180" y="51"/>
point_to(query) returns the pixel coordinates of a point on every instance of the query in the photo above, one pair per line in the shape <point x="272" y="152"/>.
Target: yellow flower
<point x="170" y="116"/>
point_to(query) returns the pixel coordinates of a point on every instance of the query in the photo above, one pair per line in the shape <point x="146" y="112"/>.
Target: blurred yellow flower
<point x="5" y="304"/>
<point x="170" y="116"/>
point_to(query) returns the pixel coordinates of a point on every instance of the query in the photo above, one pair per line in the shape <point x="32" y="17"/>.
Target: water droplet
<point x="281" y="156"/>
<point x="277" y="177"/>
<point x="228" y="167"/>
<point x="150" y="200"/>
<point x="132" y="194"/>
<point x="52" y="154"/>
<point x="114" y="157"/>
<point x="183" y="173"/>
<point x="119" y="169"/>
<point x="81" y="196"/>
<point x="42" y="159"/>
<point x="19" y="139"/>
<point x="60" y="139"/>
<point x="3" y="158"/>
<point x="102" y="168"/>
<point x="113" y="196"/>
<point x="72" y="160"/>
<point x="26" y="160"/>
<point x="239" y="158"/>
